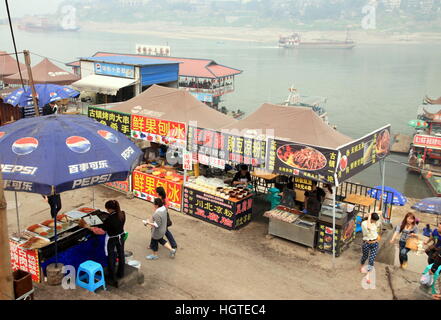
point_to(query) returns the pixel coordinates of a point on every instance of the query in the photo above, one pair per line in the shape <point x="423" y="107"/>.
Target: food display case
<point x="33" y="249"/>
<point x="293" y="225"/>
<point x="344" y="230"/>
<point x="147" y="177"/>
<point x="209" y="199"/>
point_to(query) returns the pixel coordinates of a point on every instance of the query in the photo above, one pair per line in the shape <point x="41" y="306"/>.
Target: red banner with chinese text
<point x="427" y="141"/>
<point x="26" y="260"/>
<point x="144" y="187"/>
<point x="160" y="131"/>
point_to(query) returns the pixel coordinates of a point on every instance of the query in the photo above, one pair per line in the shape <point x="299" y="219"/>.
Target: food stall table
<point x="359" y="200"/>
<point x="260" y="180"/>
<point x="75" y="245"/>
<point x="226" y="213"/>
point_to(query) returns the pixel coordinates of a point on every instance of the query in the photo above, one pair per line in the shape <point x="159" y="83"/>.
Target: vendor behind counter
<point x="314" y="200"/>
<point x="242" y="177"/>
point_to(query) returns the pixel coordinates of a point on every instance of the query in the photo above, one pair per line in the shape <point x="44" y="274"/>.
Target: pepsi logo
<point x="78" y="144"/>
<point x="52" y="94"/>
<point x="108" y="136"/>
<point x="24" y="146"/>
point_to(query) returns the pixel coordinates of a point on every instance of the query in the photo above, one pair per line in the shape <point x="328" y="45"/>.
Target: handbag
<point x="169" y="222"/>
<point x="412" y="244"/>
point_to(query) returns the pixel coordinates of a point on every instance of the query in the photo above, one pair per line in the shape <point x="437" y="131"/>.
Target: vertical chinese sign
<point x="362" y="153"/>
<point x="144" y="187"/>
<point x="118" y="121"/>
<point x="26" y="260"/>
<point x="215" y="148"/>
<point x="304" y="161"/>
<point x="170" y="133"/>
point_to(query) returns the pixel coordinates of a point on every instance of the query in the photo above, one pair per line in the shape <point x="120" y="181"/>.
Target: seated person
<point x="242" y="177"/>
<point x="288" y="195"/>
<point x="314" y="200"/>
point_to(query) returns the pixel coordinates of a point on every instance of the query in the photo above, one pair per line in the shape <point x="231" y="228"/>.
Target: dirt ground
<point x="213" y="263"/>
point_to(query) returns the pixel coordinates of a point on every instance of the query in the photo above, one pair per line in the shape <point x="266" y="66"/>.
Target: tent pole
<point x="93" y="197"/>
<point x="333" y="226"/>
<point x="383" y="203"/>
<point x="16" y="210"/>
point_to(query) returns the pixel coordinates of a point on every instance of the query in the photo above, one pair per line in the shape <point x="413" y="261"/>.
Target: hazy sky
<point x="19" y="8"/>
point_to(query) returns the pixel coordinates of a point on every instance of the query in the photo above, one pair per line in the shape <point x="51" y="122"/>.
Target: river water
<point x="367" y="87"/>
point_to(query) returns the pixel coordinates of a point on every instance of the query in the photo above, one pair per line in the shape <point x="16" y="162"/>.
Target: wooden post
<point x="6" y="284"/>
<point x="31" y="81"/>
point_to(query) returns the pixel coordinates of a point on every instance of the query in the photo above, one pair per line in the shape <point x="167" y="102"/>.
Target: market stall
<point x="33" y="249"/>
<point x="216" y="202"/>
<point x="160" y="117"/>
<point x="312" y="152"/>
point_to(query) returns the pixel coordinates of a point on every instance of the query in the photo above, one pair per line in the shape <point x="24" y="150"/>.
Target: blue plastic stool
<point x="90" y="276"/>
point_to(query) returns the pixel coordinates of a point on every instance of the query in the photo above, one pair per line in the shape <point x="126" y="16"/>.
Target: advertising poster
<point x="144" y="187"/>
<point x="364" y="152"/>
<point x="304" y="161"/>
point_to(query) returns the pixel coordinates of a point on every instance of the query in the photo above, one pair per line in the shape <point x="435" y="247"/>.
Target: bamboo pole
<point x="6" y="284"/>
<point x="31" y="81"/>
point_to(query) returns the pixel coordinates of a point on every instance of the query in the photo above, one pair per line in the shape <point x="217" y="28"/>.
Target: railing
<point x="358" y="189"/>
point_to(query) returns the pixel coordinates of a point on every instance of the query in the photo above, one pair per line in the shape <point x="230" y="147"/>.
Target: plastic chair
<point x="273" y="197"/>
<point x="90" y="276"/>
<point x="435" y="276"/>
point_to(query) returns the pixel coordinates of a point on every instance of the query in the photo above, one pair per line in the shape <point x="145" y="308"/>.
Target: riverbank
<point x="213" y="263"/>
<point x="175" y="31"/>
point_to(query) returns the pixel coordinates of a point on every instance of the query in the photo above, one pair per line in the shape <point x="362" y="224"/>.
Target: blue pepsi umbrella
<point x="57" y="153"/>
<point x="45" y="93"/>
<point x="394" y="197"/>
<point x="429" y="205"/>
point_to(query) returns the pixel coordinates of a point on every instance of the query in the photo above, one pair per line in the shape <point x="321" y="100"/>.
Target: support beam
<point x="31" y="81"/>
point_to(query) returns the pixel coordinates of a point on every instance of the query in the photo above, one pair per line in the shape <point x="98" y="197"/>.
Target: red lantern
<point x="429" y="174"/>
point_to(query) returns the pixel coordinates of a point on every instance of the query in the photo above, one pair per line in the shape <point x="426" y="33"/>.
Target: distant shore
<point x="266" y="35"/>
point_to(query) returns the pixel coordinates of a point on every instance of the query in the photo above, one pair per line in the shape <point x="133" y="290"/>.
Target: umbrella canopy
<point x="429" y="205"/>
<point x="8" y="65"/>
<point x="57" y="153"/>
<point x="44" y="72"/>
<point x="45" y="93"/>
<point x="395" y="197"/>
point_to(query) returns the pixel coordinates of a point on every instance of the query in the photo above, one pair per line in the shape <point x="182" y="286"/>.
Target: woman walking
<point x="161" y="193"/>
<point x="407" y="229"/>
<point x="369" y="247"/>
<point x="159" y="226"/>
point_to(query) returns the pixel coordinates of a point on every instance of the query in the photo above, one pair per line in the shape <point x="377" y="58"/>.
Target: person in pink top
<point x="161" y="193"/>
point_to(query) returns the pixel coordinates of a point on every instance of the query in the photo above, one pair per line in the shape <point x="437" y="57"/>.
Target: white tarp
<point x="102" y="84"/>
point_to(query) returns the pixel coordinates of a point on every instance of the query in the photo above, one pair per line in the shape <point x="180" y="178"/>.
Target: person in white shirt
<point x="370" y="227"/>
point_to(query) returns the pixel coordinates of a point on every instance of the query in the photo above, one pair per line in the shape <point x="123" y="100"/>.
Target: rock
<point x="269" y="236"/>
<point x="311" y="251"/>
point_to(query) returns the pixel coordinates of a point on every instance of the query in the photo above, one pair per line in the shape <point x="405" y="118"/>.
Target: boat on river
<point x="294" y="41"/>
<point x="316" y="103"/>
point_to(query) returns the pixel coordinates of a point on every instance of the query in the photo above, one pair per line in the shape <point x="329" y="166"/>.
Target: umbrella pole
<point x="16" y="210"/>
<point x="56" y="238"/>
<point x="333" y="226"/>
<point x="93" y="197"/>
